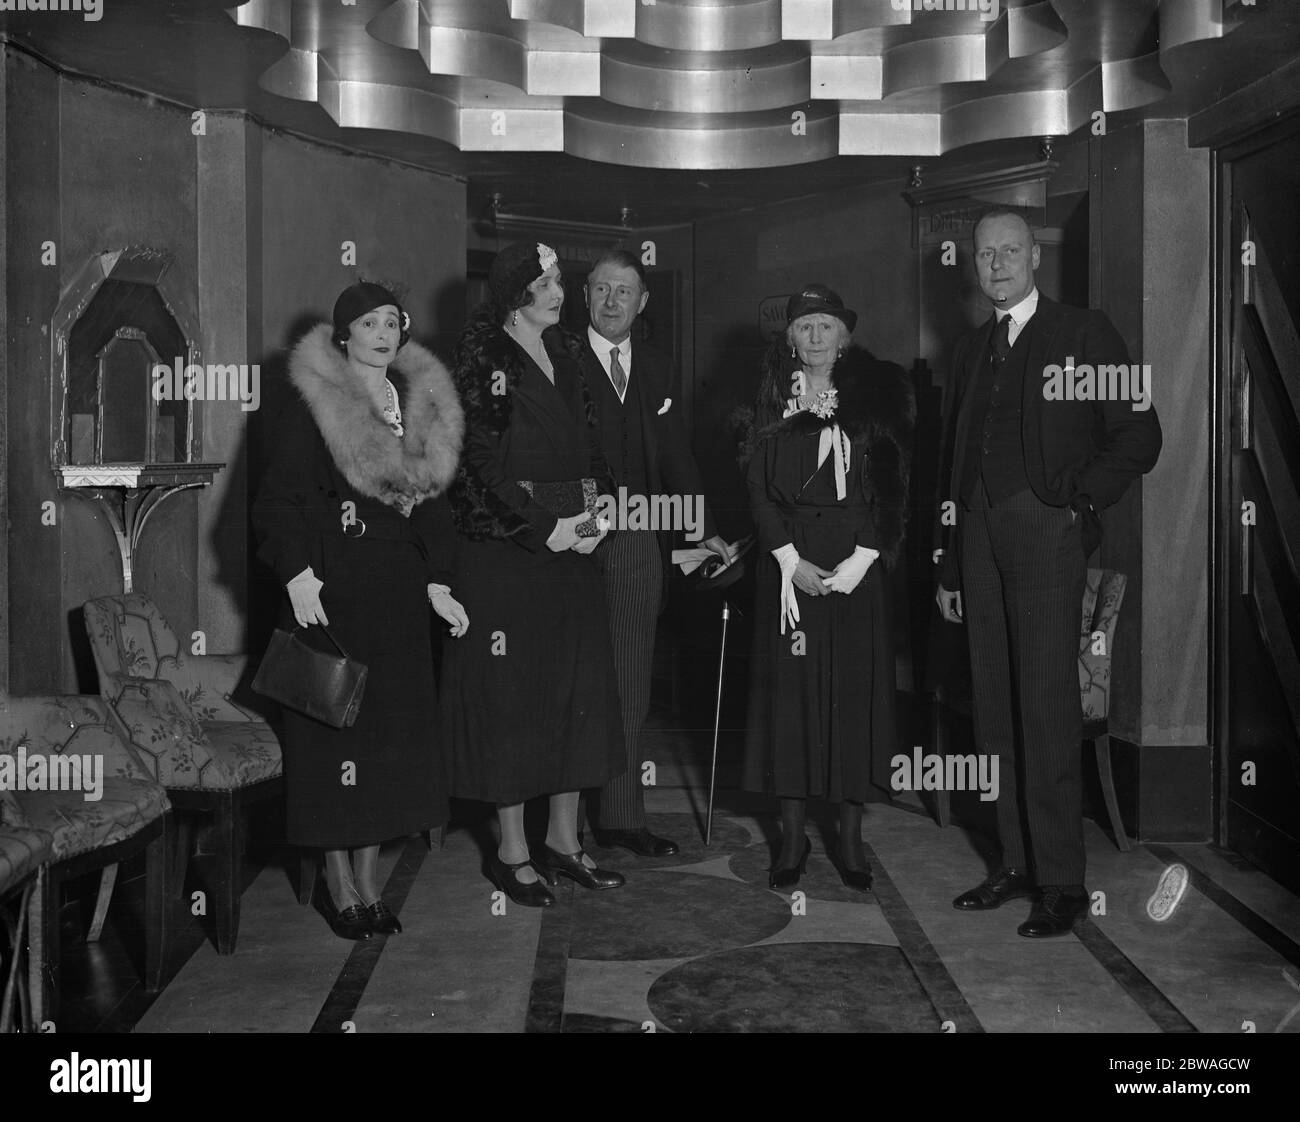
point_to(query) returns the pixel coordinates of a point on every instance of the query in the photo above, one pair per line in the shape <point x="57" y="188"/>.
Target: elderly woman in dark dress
<point x="531" y="705"/>
<point x="828" y="489"/>
<point x="353" y="519"/>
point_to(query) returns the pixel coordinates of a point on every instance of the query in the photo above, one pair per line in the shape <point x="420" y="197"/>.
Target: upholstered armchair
<point x="1103" y="594"/>
<point x="22" y="852"/>
<point x="100" y="806"/>
<point x="213" y="756"/>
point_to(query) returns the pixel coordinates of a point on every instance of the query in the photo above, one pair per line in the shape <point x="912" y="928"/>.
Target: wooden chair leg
<point x="306" y="874"/>
<point x="182" y="834"/>
<point x="107" y="879"/>
<point x="227" y="880"/>
<point x="939" y="738"/>
<point x="16" y="929"/>
<point x="159" y="906"/>
<point x="1107" y="777"/>
<point x="43" y="959"/>
<point x="442" y="836"/>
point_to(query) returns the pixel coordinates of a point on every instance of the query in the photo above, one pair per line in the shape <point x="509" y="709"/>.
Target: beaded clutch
<point x="567" y="498"/>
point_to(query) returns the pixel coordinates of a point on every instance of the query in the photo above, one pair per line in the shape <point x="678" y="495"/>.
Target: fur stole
<point x="876" y="410"/>
<point x="487" y="366"/>
<point x="399" y="473"/>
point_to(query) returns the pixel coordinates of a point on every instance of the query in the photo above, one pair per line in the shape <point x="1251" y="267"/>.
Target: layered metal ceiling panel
<point x="710" y="84"/>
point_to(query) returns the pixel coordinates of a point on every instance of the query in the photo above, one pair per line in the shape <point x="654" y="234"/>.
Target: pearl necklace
<point x="392" y="410"/>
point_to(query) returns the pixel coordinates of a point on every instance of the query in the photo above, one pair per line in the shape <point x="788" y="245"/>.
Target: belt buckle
<point x="350" y="525"/>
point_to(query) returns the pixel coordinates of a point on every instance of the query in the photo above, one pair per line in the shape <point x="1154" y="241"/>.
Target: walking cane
<point x="717" y="721"/>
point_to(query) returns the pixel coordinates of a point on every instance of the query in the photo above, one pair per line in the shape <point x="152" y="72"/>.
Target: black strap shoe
<point x="641" y="842"/>
<point x="570" y="865"/>
<point x="1056" y="911"/>
<point x="535" y="895"/>
<point x="1000" y="886"/>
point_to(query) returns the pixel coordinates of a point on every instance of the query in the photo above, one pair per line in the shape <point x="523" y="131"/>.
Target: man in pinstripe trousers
<point x="1028" y="468"/>
<point x="644" y="441"/>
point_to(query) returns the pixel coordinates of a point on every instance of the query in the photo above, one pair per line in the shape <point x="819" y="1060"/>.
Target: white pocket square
<point x="665" y="406"/>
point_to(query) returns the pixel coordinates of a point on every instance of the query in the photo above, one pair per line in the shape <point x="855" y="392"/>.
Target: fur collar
<point x="485" y="351"/>
<point x="401" y="472"/>
<point x="877" y="411"/>
<point x="875" y="399"/>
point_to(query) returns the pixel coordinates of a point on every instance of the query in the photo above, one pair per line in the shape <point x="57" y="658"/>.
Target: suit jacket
<point x="670" y="465"/>
<point x="1071" y="448"/>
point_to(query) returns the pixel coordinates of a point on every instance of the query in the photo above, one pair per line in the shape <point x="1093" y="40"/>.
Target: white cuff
<point x="786" y="551"/>
<point x="445" y="589"/>
<point x="306" y="574"/>
<point x="871" y="554"/>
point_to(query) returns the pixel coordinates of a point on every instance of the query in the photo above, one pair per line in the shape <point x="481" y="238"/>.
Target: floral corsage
<point x="824" y="404"/>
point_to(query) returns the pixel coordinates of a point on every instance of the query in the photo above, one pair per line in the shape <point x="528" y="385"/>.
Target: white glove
<point x="449" y="609"/>
<point x="788" y="558"/>
<point x="850" y="571"/>
<point x="304" y="595"/>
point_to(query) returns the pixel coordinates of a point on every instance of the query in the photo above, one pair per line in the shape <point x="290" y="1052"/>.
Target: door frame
<point x="1226" y="263"/>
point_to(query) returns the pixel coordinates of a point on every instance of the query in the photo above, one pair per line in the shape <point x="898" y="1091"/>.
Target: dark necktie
<point x="616" y="374"/>
<point x="1000" y="344"/>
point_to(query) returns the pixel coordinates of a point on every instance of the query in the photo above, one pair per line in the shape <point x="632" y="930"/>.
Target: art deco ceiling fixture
<point x="727" y="83"/>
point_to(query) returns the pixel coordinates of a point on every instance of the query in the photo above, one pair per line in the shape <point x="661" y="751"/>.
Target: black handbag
<point x="567" y="498"/>
<point x="324" y="686"/>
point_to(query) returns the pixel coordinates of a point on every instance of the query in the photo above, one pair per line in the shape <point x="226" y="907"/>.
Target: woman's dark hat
<point x="818" y="298"/>
<point x="361" y="298"/>
<point x="517" y="266"/>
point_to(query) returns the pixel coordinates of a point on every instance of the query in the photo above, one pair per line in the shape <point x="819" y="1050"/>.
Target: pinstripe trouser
<point x="1023" y="571"/>
<point x="633" y="576"/>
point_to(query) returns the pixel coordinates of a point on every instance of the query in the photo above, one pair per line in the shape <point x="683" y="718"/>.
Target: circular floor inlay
<point x="794" y="987"/>
<point x="672" y="915"/>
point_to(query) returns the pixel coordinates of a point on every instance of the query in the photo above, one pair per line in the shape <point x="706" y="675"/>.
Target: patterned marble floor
<point x="698" y="943"/>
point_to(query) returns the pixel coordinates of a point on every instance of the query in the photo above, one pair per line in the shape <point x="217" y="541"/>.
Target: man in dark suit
<point x="644" y="442"/>
<point x="1028" y="466"/>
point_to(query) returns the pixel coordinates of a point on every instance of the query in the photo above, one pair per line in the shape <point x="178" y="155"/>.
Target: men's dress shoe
<point x="1056" y="911"/>
<point x="641" y="842"/>
<point x="570" y="865"/>
<point x="997" y="889"/>
<point x="382" y="919"/>
<point x="535" y="895"/>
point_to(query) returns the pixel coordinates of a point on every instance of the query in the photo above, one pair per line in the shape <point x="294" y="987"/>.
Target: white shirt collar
<point x="1022" y="312"/>
<point x="603" y="346"/>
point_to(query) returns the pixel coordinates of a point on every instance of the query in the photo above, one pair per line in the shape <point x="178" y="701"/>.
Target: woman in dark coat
<point x="530" y="705"/>
<point x="353" y="519"/>
<point x="828" y="490"/>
